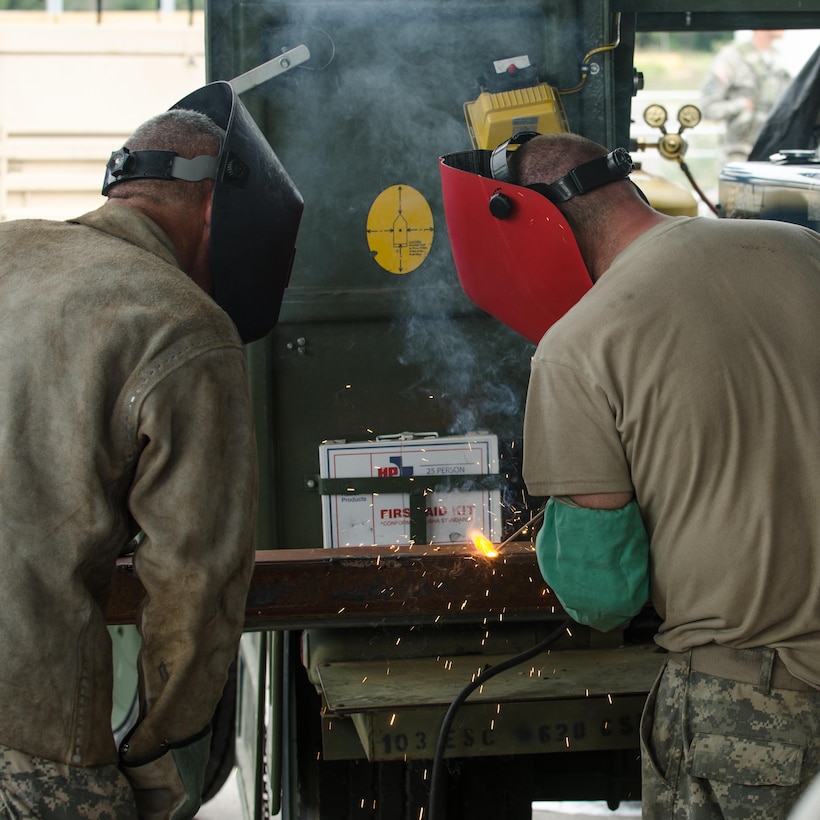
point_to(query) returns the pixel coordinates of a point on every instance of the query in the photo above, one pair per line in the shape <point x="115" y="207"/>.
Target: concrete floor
<point x="226" y="806"/>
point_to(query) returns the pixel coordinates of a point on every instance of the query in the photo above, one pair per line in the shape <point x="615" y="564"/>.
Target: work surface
<point x="296" y="589"/>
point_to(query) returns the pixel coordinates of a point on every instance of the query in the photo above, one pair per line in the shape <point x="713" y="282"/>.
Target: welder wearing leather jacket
<point x="125" y="409"/>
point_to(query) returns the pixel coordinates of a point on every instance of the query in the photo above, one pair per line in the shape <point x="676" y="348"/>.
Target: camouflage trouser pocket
<point x="32" y="788"/>
<point x="6" y="812"/>
<point x="661" y="748"/>
<point x="744" y="761"/>
<point x="712" y="747"/>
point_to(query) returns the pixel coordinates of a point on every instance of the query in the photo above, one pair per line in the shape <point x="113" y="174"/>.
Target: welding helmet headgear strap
<point x="615" y="166"/>
<point x="502" y="166"/>
<point x="255" y="215"/>
<point x="124" y="165"/>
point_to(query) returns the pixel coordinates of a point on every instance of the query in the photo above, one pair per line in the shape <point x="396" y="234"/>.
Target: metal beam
<point x="362" y="586"/>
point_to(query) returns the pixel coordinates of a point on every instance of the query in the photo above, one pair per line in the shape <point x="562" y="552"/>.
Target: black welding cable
<point x="436" y="800"/>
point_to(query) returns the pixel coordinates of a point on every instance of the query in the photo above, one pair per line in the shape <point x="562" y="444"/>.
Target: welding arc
<point x="436" y="810"/>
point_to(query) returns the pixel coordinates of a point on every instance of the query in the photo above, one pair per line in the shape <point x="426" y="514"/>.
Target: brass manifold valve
<point x="673" y="146"/>
<point x="670" y="146"/>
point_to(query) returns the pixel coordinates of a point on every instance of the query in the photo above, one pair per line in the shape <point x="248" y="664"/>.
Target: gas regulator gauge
<point x="655" y="116"/>
<point x="689" y="116"/>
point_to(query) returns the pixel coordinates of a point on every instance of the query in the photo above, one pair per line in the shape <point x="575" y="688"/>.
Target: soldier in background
<point x="745" y="81"/>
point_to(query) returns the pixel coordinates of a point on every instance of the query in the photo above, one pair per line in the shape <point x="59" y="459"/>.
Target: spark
<point x="392" y="718"/>
<point x="364" y="678"/>
<point x="609" y="698"/>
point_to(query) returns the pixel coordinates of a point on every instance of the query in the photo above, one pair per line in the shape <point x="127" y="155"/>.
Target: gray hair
<point x="189" y="133"/>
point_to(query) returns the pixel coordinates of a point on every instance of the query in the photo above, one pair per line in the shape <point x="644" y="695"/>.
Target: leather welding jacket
<point x="123" y="407"/>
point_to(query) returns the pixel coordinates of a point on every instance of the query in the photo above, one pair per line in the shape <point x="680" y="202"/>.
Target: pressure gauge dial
<point x="689" y="116"/>
<point x="655" y="116"/>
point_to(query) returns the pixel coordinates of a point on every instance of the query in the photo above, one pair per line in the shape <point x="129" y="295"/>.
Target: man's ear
<point x="200" y="268"/>
<point x="209" y="207"/>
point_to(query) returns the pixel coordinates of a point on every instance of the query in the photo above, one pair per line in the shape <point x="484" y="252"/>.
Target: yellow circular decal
<point x="400" y="229"/>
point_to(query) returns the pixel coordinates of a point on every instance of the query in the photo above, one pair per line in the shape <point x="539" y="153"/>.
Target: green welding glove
<point x="596" y="562"/>
<point x="170" y="787"/>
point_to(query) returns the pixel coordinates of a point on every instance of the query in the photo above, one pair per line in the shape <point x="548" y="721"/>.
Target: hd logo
<point x="396" y="469"/>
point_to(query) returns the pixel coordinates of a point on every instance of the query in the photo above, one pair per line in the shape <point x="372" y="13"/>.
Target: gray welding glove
<point x="169" y="787"/>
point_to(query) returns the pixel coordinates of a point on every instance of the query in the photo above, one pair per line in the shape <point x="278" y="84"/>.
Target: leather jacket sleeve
<point x="194" y="496"/>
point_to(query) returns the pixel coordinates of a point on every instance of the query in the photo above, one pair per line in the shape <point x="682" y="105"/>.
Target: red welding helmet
<point x="515" y="255"/>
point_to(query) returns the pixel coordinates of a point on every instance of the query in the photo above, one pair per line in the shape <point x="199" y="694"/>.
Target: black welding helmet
<point x="514" y="252"/>
<point x="256" y="208"/>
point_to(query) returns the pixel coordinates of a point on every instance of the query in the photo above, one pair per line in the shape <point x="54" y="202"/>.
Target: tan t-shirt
<point x="691" y="374"/>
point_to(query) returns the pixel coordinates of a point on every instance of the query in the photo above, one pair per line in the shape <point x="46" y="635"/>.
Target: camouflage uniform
<point x="742" y="73"/>
<point x="32" y="788"/>
<point x="714" y="748"/>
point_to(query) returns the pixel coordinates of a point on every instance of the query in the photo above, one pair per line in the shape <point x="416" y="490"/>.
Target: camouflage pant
<point x="715" y="749"/>
<point x="32" y="788"/>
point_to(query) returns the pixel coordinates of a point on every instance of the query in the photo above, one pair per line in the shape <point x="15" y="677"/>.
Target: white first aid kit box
<point x="440" y="467"/>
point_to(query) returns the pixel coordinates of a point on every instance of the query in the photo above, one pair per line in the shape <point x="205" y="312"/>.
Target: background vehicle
<point x="781" y="180"/>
